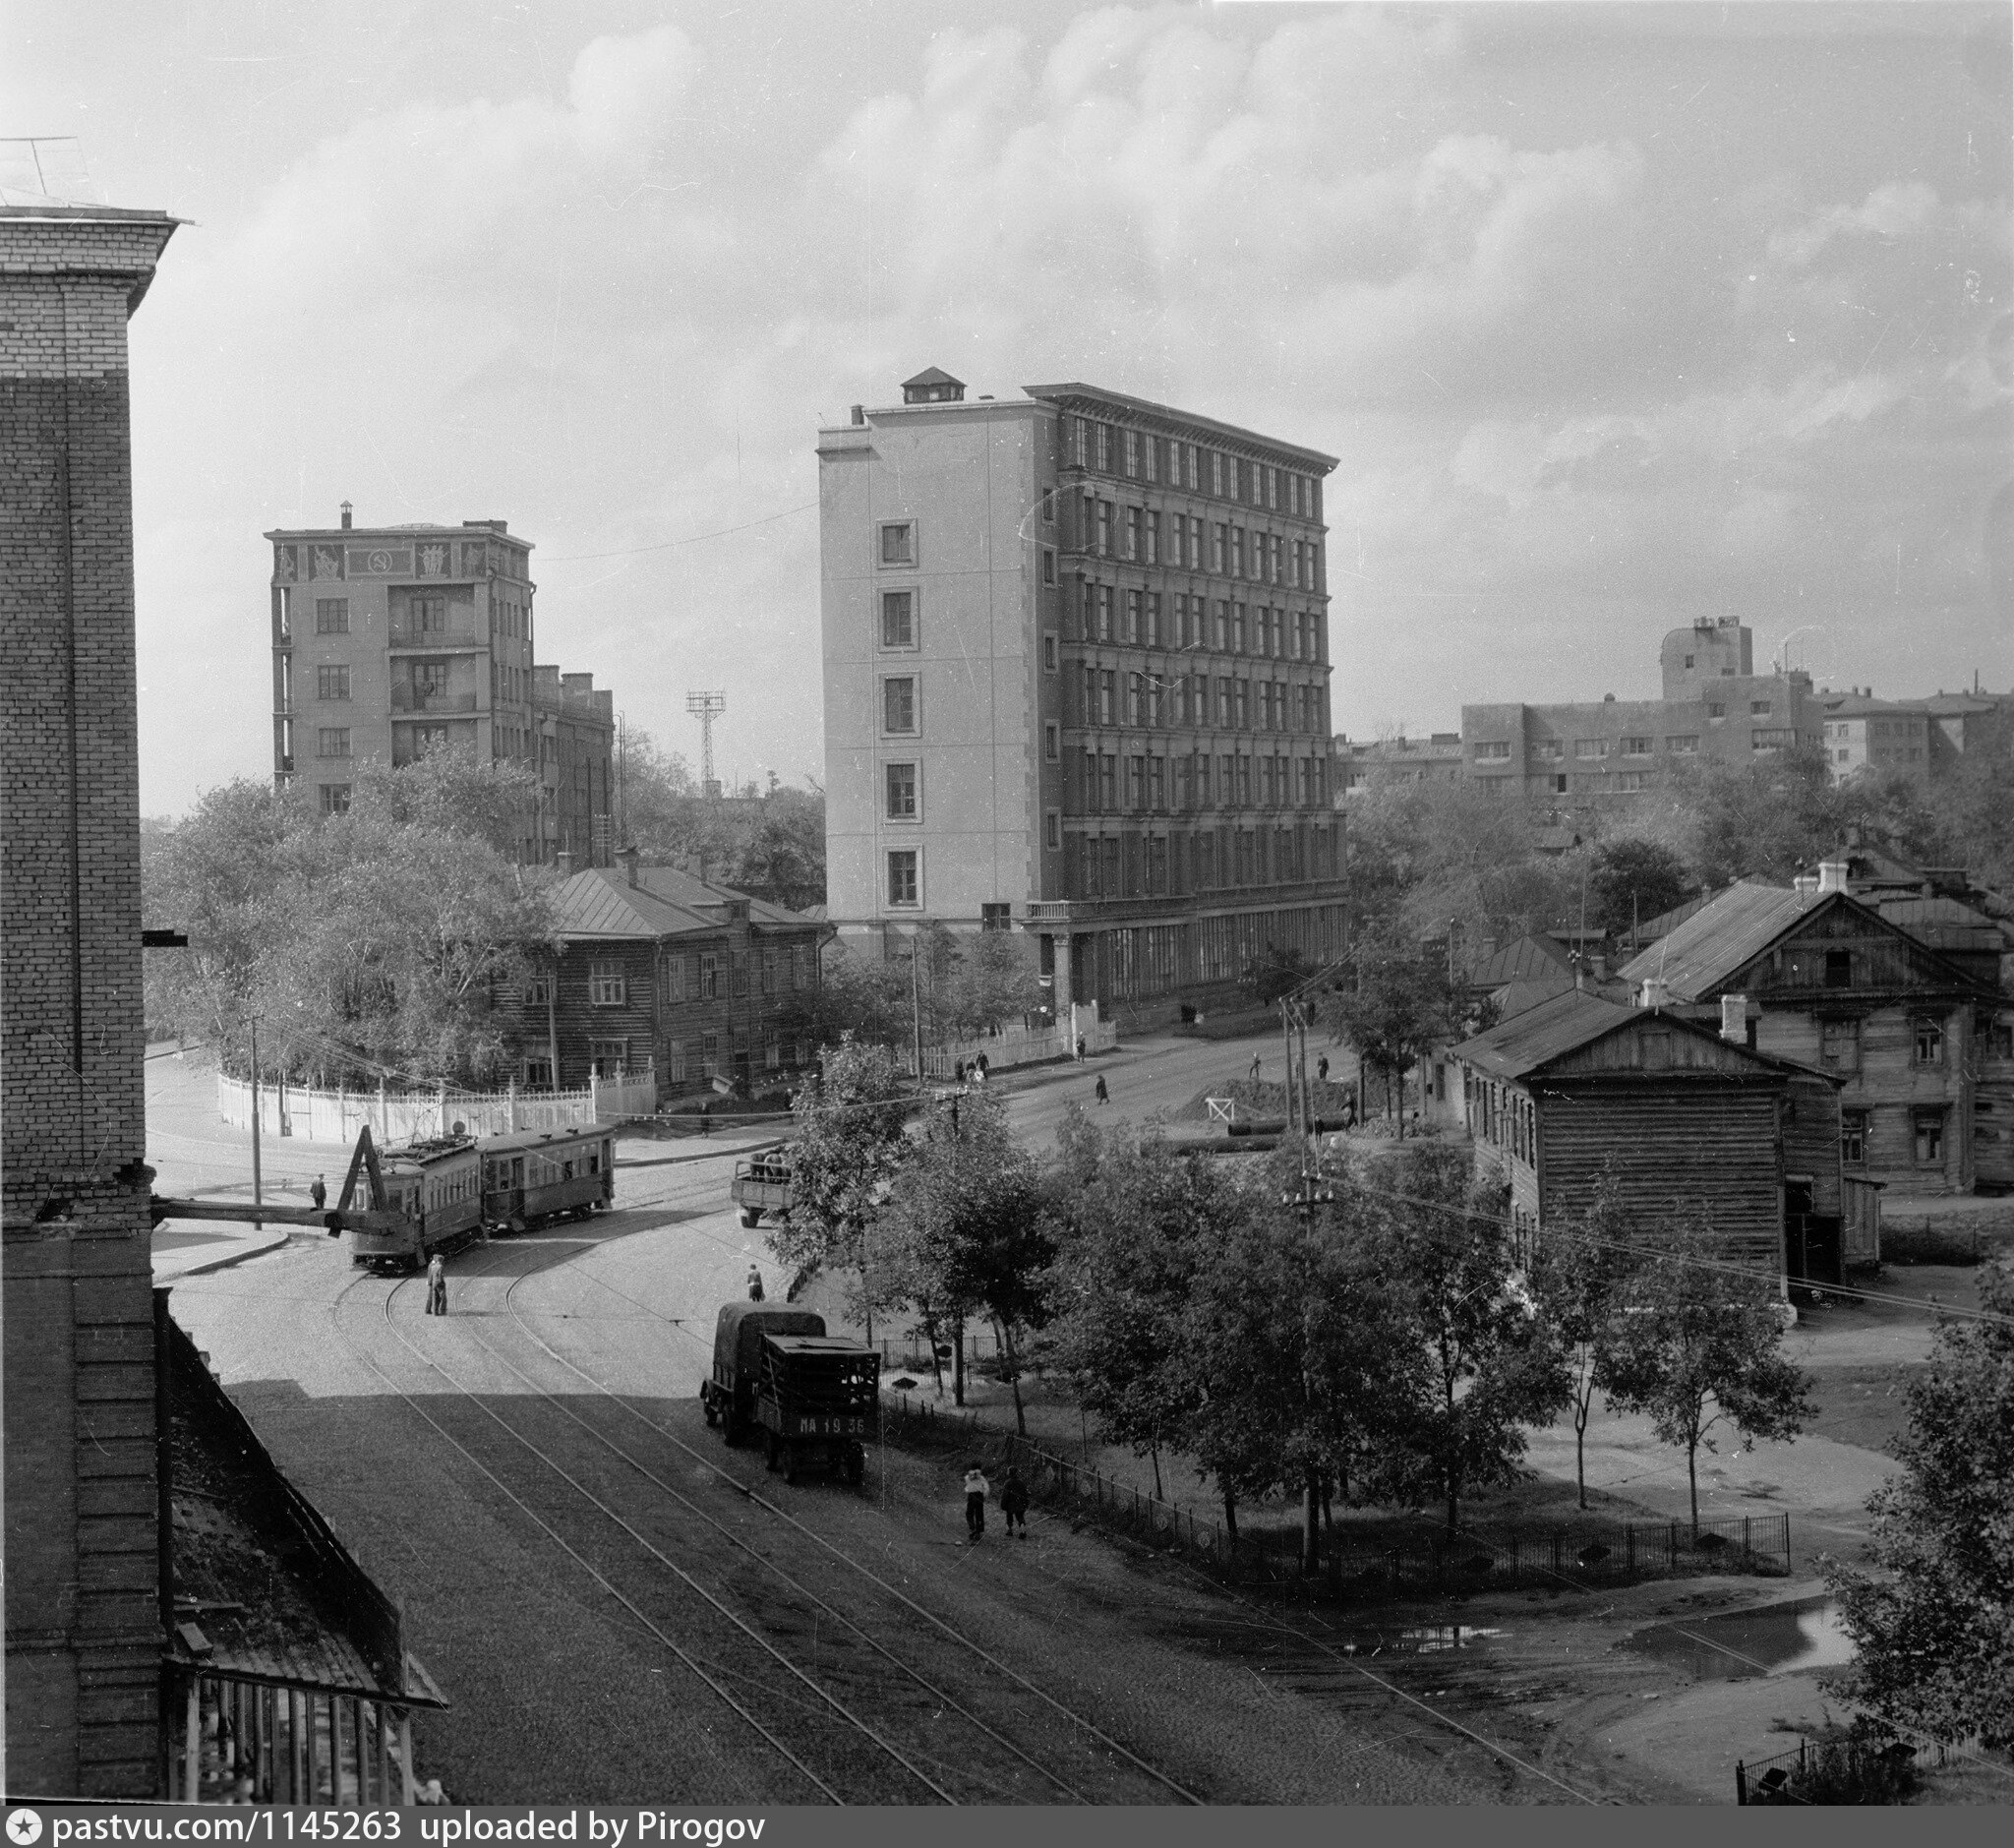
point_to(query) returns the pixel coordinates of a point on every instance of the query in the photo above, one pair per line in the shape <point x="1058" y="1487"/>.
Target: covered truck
<point x="815" y="1398"/>
<point x="762" y="1185"/>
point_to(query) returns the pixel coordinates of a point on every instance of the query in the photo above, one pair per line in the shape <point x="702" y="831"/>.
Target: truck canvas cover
<point x="738" y="1338"/>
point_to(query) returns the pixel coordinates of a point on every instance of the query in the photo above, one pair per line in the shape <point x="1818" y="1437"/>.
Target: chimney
<point x="1832" y="875"/>
<point x="1653" y="995"/>
<point x="564" y="859"/>
<point x="1734" y="1018"/>
<point x="859" y="414"/>
<point x="1601" y="965"/>
<point x="1806" y="883"/>
<point x="629" y="857"/>
<point x="345" y="516"/>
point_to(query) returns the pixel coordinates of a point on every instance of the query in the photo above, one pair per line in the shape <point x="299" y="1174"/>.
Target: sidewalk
<point x="195" y="1247"/>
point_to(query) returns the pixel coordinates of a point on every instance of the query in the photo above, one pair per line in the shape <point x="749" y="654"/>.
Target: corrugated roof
<point x="1541" y="1034"/>
<point x="601" y="903"/>
<point x="1527" y="959"/>
<point x="1666" y="921"/>
<point x="1720" y="937"/>
<point x="1944" y="923"/>
<point x="1516" y="997"/>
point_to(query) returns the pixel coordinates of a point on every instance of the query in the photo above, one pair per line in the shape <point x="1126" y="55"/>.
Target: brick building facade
<point x="84" y="1631"/>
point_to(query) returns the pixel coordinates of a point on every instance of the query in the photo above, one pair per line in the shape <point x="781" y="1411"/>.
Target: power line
<point x="667" y="545"/>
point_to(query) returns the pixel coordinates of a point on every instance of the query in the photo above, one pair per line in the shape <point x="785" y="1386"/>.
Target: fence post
<point x="1630" y="1548"/>
<point x="1671" y="1548"/>
<point x="1741" y="1782"/>
<point x="1748" y="1552"/>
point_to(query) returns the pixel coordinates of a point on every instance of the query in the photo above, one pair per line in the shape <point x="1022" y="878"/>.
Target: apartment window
<point x="1107" y="696"/>
<point x="1194" y="459"/>
<point x="332" y="616"/>
<point x="738" y="974"/>
<point x="1758" y="708"/>
<point x="899" y="705"/>
<point x="1636" y="747"/>
<point x="1272" y="488"/>
<point x="1049" y="749"/>
<point x="1839" y="969"/>
<point x="706" y="977"/>
<point x="1079" y="441"/>
<point x="1853" y="1138"/>
<point x="1048" y="566"/>
<point x="898" y="543"/>
<point x="1132" y="454"/>
<point x="709" y="1054"/>
<point x="1153" y="538"/>
<point x="1715" y="710"/>
<point x="1216" y="473"/>
<point x="1999" y="1038"/>
<point x="1839" y="1044"/>
<point x="1048" y="507"/>
<point x="607" y="985"/>
<point x="332" y="740"/>
<point x="608" y="1057"/>
<point x="1776" y="737"/>
<point x="1105" y="529"/>
<point x="1685" y="747"/>
<point x="1150" y="455"/>
<point x="1633" y="781"/>
<point x="1930" y="1042"/>
<point x="430" y="678"/>
<point x="1131" y="631"/>
<point x="1108" y="783"/>
<point x="1548" y="750"/>
<point x="331" y="683"/>
<point x="538" y="1074"/>
<point x="1930" y="1138"/>
<point x="1152" y="630"/>
<point x="1133" y="544"/>
<point x="538" y="989"/>
<point x="335" y="799"/>
<point x="1688" y="660"/>
<point x="902" y="876"/>
<point x="1103" y="627"/>
<point x="1493" y="750"/>
<point x="902" y="792"/>
<point x="429" y="615"/>
<point x="1053" y="830"/>
<point x="898" y="618"/>
<point x="1104" y="448"/>
<point x="1590" y="748"/>
<point x="996" y="917"/>
<point x="1050" y="655"/>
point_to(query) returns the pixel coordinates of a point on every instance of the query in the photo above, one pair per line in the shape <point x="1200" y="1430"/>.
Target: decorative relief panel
<point x="380" y="561"/>
<point x="286" y="564"/>
<point x="325" y="562"/>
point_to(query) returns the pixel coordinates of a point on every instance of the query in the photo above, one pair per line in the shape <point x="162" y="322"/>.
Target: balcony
<point x="411" y="700"/>
<point x="435" y="640"/>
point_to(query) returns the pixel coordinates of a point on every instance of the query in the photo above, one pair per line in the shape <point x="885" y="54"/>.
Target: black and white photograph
<point x="1015" y="904"/>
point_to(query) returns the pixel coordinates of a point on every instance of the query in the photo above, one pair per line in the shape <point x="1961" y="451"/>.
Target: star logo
<point x="23" y="1828"/>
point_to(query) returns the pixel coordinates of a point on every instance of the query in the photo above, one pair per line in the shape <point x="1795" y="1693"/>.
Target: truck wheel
<point x="729" y="1431"/>
<point x="751" y="1216"/>
<point x="790" y="1462"/>
<point x="855" y="1464"/>
<point x="707" y="1405"/>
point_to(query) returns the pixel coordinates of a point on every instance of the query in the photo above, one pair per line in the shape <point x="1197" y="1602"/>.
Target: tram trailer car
<point x="438" y="1185"/>
<point x="537" y="1174"/>
<point x="816" y="1397"/>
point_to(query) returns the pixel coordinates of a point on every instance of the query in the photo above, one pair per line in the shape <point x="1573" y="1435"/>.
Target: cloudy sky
<point x="1617" y="316"/>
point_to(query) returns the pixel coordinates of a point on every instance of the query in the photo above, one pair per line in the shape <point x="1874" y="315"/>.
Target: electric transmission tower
<point x="706" y="707"/>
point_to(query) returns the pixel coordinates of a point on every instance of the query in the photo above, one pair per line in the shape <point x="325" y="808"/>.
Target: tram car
<point x="438" y="1185"/>
<point x="538" y="1174"/>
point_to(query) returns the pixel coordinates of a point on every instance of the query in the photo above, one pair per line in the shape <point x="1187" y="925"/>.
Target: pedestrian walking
<point x="983" y="1063"/>
<point x="706" y="1118"/>
<point x="958" y="1073"/>
<point x="1104" y="1095"/>
<point x="437" y="1286"/>
<point x="975" y="1490"/>
<point x="1014" y="1503"/>
<point x="1322" y="1068"/>
<point x="1253" y="1074"/>
<point x="754" y="1284"/>
<point x="318" y="1193"/>
<point x="1080" y="1045"/>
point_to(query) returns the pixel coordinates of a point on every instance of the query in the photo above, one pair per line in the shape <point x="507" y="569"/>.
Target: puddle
<point x="1773" y="1640"/>
<point x="1427" y="1641"/>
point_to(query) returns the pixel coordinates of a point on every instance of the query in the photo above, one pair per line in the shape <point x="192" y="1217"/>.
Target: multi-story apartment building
<point x="1862" y="733"/>
<point x="392" y="641"/>
<point x="1367" y="762"/>
<point x="1077" y="683"/>
<point x="1714" y="706"/>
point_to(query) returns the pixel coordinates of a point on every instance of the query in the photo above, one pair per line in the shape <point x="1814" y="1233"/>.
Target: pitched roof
<point x="1526" y="959"/>
<point x="1666" y="921"/>
<point x="601" y="903"/>
<point x="931" y="375"/>
<point x="1720" y="937"/>
<point x="1516" y="997"/>
<point x="1541" y="1034"/>
<point x="1944" y="923"/>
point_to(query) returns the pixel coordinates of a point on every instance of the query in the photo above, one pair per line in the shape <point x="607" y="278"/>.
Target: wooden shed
<point x="1580" y="1087"/>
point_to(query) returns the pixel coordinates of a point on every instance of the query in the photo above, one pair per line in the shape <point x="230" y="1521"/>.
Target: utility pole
<point x="258" y="1194"/>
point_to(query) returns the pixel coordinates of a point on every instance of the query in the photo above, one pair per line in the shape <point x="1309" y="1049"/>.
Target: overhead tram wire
<point x="669" y="545"/>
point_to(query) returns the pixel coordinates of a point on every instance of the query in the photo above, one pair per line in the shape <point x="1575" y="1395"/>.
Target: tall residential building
<point x="84" y="1630"/>
<point x="390" y="641"/>
<point x="1077" y="683"/>
<point x="1714" y="706"/>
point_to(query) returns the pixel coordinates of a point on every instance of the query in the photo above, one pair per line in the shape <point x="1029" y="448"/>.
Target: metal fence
<point x="1852" y="1770"/>
<point x="397" y="1117"/>
<point x="1612" y="1553"/>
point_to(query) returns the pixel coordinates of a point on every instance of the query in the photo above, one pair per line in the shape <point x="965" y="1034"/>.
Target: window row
<point x="1839" y="1037"/>
<point x="699" y="976"/>
<point x="1197" y="780"/>
<point x="1587" y="749"/>
<point x="1187" y="619"/>
<point x="1112" y="696"/>
<point x="1157" y="865"/>
<point x="1141" y="455"/>
<point x="1144" y="535"/>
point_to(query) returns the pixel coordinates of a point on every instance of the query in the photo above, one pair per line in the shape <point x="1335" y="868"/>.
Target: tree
<point x="1761" y="820"/>
<point x="990" y="980"/>
<point x="1577" y="1277"/>
<point x="1395" y="1003"/>
<point x="1630" y="881"/>
<point x="848" y="1146"/>
<point x="1276" y="973"/>
<point x="967" y="1228"/>
<point x="1934" y="1633"/>
<point x="1490" y="1365"/>
<point x="1699" y="1345"/>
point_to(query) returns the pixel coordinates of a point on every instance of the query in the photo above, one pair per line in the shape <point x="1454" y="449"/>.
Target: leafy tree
<point x="966" y="1227"/>
<point x="1934" y="1631"/>
<point x="1759" y="820"/>
<point x="991" y="981"/>
<point x="1393" y="1003"/>
<point x="1490" y="1365"/>
<point x="1633" y="880"/>
<point x="1699" y="1345"/>
<point x="846" y="1148"/>
<point x="1276" y="973"/>
<point x="1579" y="1276"/>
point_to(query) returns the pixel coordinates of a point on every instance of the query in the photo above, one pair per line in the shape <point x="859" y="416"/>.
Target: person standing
<point x="706" y="1118"/>
<point x="1014" y="1503"/>
<point x="975" y="1490"/>
<point x="986" y="1064"/>
<point x="437" y="1286"/>
<point x="754" y="1284"/>
<point x="1253" y="1074"/>
<point x="1322" y="1068"/>
<point x="1080" y="1045"/>
<point x="1104" y="1095"/>
<point x="318" y="1193"/>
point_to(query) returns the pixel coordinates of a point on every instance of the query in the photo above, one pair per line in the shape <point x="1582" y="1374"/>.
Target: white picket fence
<point x="1016" y="1046"/>
<point x="397" y="1117"/>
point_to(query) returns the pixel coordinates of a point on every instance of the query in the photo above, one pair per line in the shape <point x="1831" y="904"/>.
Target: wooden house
<point x="659" y="972"/>
<point x="1579" y="1088"/>
<point x="1821" y="977"/>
